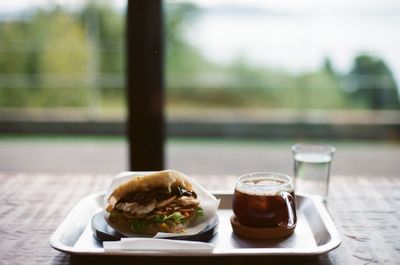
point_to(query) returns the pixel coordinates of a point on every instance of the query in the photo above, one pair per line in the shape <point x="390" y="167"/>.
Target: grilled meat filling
<point x="142" y="204"/>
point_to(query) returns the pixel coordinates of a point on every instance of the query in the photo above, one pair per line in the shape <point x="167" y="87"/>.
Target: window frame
<point x="145" y="85"/>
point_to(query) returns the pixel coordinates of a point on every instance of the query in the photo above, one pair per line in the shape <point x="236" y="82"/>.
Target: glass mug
<point x="265" y="200"/>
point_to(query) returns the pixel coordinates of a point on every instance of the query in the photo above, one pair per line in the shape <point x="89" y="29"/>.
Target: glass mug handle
<point x="291" y="207"/>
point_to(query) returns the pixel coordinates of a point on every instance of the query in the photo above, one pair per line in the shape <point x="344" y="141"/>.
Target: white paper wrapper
<point x="208" y="203"/>
<point x="156" y="245"/>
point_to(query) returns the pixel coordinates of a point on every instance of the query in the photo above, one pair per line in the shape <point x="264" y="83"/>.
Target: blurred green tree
<point x="13" y="64"/>
<point x="373" y="83"/>
<point x="105" y="32"/>
<point x="105" y="29"/>
<point x="45" y="58"/>
<point x="181" y="56"/>
<point x="321" y="90"/>
<point x="61" y="59"/>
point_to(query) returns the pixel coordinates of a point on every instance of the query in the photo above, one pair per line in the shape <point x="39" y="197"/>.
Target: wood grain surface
<point x="366" y="211"/>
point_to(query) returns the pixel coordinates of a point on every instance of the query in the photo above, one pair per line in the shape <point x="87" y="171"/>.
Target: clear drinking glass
<point x="312" y="163"/>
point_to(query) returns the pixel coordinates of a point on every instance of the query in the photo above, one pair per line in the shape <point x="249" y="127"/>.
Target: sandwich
<point x="159" y="202"/>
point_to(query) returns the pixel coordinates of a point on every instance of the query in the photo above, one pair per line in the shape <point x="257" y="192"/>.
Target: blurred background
<point x="244" y="80"/>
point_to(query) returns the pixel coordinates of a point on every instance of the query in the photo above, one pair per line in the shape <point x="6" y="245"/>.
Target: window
<point x="243" y="81"/>
<point x="246" y="79"/>
<point x="62" y="80"/>
<point x="282" y="57"/>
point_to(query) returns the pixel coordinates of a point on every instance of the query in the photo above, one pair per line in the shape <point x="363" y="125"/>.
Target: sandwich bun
<point x="165" y="179"/>
<point x="167" y="203"/>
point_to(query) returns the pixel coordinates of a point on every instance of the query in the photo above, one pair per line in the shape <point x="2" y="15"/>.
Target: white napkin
<point x="208" y="203"/>
<point x="156" y="245"/>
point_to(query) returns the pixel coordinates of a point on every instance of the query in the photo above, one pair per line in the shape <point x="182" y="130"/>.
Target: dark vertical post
<point x="145" y="84"/>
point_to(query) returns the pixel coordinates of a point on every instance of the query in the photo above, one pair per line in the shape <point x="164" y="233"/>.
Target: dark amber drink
<point x="265" y="200"/>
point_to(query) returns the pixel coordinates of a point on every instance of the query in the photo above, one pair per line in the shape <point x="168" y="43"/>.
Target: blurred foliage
<point x="63" y="57"/>
<point x="373" y="83"/>
<point x="106" y="32"/>
<point x="181" y="57"/>
<point x="56" y="57"/>
<point x="194" y="81"/>
<point x="49" y="42"/>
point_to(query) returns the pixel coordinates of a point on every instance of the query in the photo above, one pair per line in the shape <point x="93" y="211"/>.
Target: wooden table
<point x="365" y="210"/>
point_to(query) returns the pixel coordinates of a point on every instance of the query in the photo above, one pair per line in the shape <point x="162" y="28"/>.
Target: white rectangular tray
<point x="315" y="233"/>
